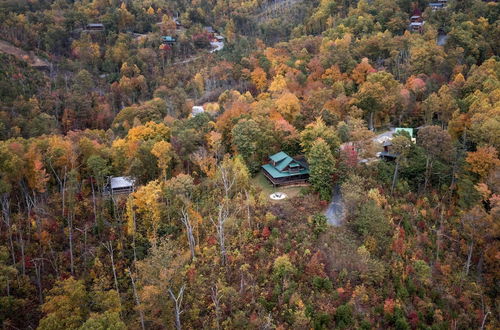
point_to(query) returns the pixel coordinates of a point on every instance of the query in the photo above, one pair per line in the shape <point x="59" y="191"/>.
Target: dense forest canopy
<point x="98" y="89"/>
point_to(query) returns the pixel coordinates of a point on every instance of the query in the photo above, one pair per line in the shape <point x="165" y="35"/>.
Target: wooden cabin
<point x="437" y="5"/>
<point x="119" y="185"/>
<point x="387" y="154"/>
<point x="94" y="27"/>
<point x="416" y="21"/>
<point x="284" y="170"/>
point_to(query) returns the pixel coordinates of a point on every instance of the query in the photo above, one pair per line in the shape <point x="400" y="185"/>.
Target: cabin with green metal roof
<point x="284" y="170"/>
<point x="407" y="130"/>
<point x="410" y="132"/>
<point x="168" y="40"/>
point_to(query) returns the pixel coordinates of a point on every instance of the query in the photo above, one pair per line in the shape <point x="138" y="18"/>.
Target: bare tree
<point x="136" y="299"/>
<point x="85" y="252"/>
<point x="70" y="238"/>
<point x="7" y="221"/>
<point x="222" y="216"/>
<point x="227" y="178"/>
<point x="109" y="247"/>
<point x="216" y="296"/>
<point x="38" y="263"/>
<point x="186" y="221"/>
<point x="248" y="204"/>
<point x="177" y="306"/>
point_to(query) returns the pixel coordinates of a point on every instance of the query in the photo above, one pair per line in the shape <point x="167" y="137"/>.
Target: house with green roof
<point x="283" y="170"/>
<point x="407" y="130"/>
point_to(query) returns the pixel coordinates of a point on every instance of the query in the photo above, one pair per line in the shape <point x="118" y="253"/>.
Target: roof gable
<point x="279" y="157"/>
<point x="284" y="163"/>
<point x="121" y="182"/>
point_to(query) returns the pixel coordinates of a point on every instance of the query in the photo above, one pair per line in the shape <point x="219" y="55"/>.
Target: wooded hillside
<point x="402" y="124"/>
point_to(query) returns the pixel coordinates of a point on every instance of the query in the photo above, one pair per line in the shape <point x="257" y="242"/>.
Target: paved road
<point x="20" y="54"/>
<point x="442" y="39"/>
<point x="335" y="211"/>
<point x="217" y="46"/>
<point x="381" y="138"/>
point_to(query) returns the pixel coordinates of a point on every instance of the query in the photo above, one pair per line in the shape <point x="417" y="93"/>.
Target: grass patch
<point x="267" y="188"/>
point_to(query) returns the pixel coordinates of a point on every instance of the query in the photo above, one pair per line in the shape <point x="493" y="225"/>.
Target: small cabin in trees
<point x="168" y="40"/>
<point x="417" y="22"/>
<point x="210" y="30"/>
<point x="94" y="27"/>
<point x="119" y="185"/>
<point x="284" y="170"/>
<point x="409" y="131"/>
<point x="196" y="110"/>
<point x="437" y="5"/>
<point x="387" y="154"/>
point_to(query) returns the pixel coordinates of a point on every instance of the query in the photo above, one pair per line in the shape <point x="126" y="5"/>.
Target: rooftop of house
<point x="209" y="29"/>
<point x="437" y="4"/>
<point x="196" y="110"/>
<point x="119" y="182"/>
<point x="279" y="157"/>
<point x="168" y="38"/>
<point x="280" y="162"/>
<point x="278" y="174"/>
<point x="95" y="25"/>
<point x="402" y="129"/>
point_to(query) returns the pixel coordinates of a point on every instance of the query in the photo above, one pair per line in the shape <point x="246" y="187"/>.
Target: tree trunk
<point x="137" y="301"/>
<point x="215" y="295"/>
<point x="6" y="219"/>
<point x="469" y="258"/>
<point x="109" y="246"/>
<point x="249" y="217"/>
<point x="38" y="272"/>
<point x="189" y="232"/>
<point x="484" y="320"/>
<point x="70" y="238"/>
<point x="93" y="202"/>
<point x="222" y="217"/>
<point x="428" y="167"/>
<point x="395" y="176"/>
<point x="21" y="245"/>
<point x="177" y="306"/>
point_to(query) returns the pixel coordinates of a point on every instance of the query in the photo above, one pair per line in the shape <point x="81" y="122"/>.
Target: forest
<point x="394" y="105"/>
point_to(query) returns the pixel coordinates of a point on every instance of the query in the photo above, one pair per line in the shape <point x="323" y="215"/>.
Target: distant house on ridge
<point x="168" y="40"/>
<point x="196" y="110"/>
<point x="417" y="22"/>
<point x="94" y="27"/>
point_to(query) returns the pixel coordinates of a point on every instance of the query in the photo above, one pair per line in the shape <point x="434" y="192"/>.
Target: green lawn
<point x="261" y="181"/>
